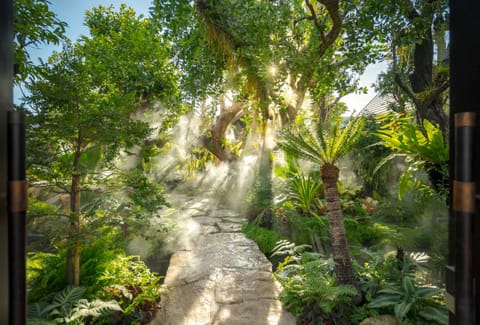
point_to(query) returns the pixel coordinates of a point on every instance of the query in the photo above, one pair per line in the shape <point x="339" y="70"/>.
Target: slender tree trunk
<point x="340" y="250"/>
<point x="74" y="249"/>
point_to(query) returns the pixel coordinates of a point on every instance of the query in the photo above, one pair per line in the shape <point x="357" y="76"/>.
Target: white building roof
<point x="378" y="105"/>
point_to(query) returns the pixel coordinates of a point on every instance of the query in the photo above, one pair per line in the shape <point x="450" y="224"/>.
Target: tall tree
<point x="69" y="120"/>
<point x="326" y="146"/>
<point x="308" y="47"/>
<point x="83" y="102"/>
<point x="415" y="33"/>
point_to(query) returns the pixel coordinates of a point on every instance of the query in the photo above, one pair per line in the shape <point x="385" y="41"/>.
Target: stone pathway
<point x="217" y="275"/>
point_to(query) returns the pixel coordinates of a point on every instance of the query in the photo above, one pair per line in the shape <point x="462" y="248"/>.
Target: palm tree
<point x="325" y="146"/>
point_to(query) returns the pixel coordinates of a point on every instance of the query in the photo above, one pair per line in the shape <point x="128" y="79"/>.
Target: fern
<point x="419" y="143"/>
<point x="68" y="307"/>
<point x="96" y="308"/>
<point x="285" y="247"/>
<point x="308" y="278"/>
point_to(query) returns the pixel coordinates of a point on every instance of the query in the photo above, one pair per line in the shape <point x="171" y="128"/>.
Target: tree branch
<point x="314" y="17"/>
<point x="406" y="89"/>
<point x="437" y="92"/>
<point x="296" y="21"/>
<point x="334" y="13"/>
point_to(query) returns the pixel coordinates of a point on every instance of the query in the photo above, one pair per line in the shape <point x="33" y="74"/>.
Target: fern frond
<point x="96" y="308"/>
<point x="69" y="296"/>
<point x="64" y="301"/>
<point x="283" y="247"/>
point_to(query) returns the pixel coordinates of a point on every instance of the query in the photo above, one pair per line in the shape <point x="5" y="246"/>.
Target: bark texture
<point x="426" y="89"/>
<point x="341" y="253"/>
<point x="214" y="140"/>
<point x="74" y="249"/>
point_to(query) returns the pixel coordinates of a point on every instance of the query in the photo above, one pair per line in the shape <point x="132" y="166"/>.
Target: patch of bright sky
<point x="73" y="13"/>
<point x="355" y="102"/>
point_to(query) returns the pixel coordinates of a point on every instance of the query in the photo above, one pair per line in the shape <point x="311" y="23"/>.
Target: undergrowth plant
<point x="396" y="284"/>
<point x="69" y="307"/>
<point x="411" y="302"/>
<point x="302" y="188"/>
<point x="107" y="274"/>
<point x="308" y="281"/>
<point x="266" y="239"/>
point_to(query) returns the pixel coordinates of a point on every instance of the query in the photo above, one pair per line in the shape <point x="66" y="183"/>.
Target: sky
<point x="73" y="13"/>
<point x="355" y="102"/>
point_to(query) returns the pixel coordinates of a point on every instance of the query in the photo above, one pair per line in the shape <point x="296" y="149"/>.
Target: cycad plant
<point x="325" y="146"/>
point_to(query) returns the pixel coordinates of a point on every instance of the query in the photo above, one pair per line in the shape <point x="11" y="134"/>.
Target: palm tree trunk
<point x="340" y="250"/>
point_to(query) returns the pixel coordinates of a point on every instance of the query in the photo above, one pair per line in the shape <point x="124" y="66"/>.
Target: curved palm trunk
<point x="341" y="253"/>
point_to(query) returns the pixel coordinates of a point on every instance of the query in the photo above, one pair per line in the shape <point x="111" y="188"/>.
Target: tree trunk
<point x="340" y="250"/>
<point x="421" y="81"/>
<point x="214" y="141"/>
<point x="74" y="249"/>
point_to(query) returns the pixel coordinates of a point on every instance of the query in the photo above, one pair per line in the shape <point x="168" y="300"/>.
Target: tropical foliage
<point x="308" y="280"/>
<point x="326" y="147"/>
<point x="254" y="77"/>
<point x="424" y="147"/>
<point x="69" y="307"/>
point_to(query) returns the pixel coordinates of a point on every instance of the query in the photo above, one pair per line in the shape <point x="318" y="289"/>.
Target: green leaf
<point x="427" y="292"/>
<point x="94" y="309"/>
<point x="384" y="301"/>
<point x="408" y="286"/>
<point x="90" y="159"/>
<point x="66" y="299"/>
<point x="402" y="309"/>
<point x="437" y="314"/>
<point x="391" y="291"/>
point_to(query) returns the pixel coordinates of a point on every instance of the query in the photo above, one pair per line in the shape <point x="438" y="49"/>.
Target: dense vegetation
<point x="351" y="211"/>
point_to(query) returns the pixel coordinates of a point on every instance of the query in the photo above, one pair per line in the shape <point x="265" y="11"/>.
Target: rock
<point x="381" y="320"/>
<point x="221" y="279"/>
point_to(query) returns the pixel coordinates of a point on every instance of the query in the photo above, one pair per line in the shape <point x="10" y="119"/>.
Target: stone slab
<point x="222" y="278"/>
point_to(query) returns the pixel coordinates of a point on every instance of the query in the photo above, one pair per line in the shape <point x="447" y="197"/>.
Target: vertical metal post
<point x="463" y="213"/>
<point x="17" y="207"/>
<point x="6" y="99"/>
<point x="463" y="272"/>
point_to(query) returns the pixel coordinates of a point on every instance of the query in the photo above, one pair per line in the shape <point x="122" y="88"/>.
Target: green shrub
<point x="308" y="280"/>
<point x="309" y="230"/>
<point x="395" y="284"/>
<point x="106" y="273"/>
<point x="364" y="232"/>
<point x="266" y="239"/>
<point x="411" y="302"/>
<point x="69" y="307"/>
<point x="129" y="281"/>
<point x="46" y="273"/>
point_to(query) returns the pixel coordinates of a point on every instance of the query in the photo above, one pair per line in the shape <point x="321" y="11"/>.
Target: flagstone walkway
<point x="217" y="275"/>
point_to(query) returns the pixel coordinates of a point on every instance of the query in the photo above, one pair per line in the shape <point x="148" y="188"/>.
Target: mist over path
<point x="217" y="275"/>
